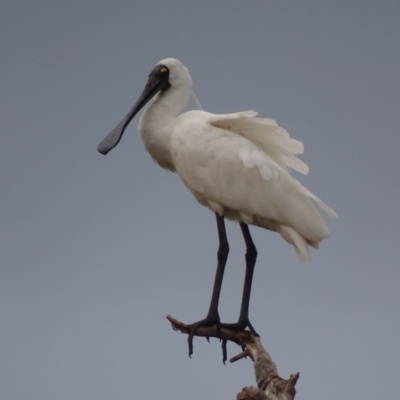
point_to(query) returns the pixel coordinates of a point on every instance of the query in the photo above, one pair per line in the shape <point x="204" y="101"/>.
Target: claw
<point x="190" y="338"/>
<point x="224" y="351"/>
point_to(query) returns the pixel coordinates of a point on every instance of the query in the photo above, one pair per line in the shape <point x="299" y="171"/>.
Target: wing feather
<point x="267" y="135"/>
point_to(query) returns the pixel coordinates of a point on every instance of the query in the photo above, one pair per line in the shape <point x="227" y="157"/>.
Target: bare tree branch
<point x="270" y="386"/>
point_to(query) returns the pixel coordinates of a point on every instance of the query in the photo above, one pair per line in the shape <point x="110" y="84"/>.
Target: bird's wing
<point x="267" y="135"/>
<point x="234" y="177"/>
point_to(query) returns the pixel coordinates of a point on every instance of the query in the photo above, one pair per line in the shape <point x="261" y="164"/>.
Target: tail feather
<point x="297" y="241"/>
<point x="329" y="211"/>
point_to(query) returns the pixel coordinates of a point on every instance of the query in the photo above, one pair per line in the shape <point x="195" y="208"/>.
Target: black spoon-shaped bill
<point x="155" y="83"/>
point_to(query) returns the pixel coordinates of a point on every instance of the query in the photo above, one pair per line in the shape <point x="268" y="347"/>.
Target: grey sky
<point x="96" y="251"/>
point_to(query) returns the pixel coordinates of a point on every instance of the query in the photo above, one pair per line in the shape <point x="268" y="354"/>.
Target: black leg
<point x="213" y="315"/>
<point x="251" y="258"/>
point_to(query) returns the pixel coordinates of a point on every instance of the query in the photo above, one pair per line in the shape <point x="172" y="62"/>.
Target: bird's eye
<point x="163" y="70"/>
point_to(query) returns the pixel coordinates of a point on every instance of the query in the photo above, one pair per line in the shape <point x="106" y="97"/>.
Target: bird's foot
<point x="210" y="320"/>
<point x="213" y="319"/>
<point x="241" y="325"/>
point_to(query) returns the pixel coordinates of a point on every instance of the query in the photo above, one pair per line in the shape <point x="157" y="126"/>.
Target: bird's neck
<point x="155" y="124"/>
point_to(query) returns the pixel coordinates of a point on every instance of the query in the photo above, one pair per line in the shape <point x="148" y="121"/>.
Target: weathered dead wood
<point x="270" y="386"/>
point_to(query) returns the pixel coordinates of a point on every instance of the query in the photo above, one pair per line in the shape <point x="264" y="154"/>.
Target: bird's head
<point x="178" y="73"/>
<point x="168" y="73"/>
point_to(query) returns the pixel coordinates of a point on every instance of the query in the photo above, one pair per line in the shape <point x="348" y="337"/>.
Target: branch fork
<point x="270" y="386"/>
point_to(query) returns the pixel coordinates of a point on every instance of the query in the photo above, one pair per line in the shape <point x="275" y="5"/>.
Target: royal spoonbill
<point x="236" y="164"/>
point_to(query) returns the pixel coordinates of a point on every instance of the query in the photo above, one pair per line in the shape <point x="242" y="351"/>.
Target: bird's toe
<point x="241" y="325"/>
<point x="210" y="320"/>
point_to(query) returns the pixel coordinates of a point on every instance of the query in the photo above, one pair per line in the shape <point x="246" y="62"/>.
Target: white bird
<point x="237" y="165"/>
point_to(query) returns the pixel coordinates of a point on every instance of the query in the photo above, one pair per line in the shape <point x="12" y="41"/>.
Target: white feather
<point x="237" y="165"/>
<point x="267" y="135"/>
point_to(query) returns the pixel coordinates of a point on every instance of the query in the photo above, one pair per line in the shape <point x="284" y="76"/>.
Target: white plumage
<point x="237" y="165"/>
